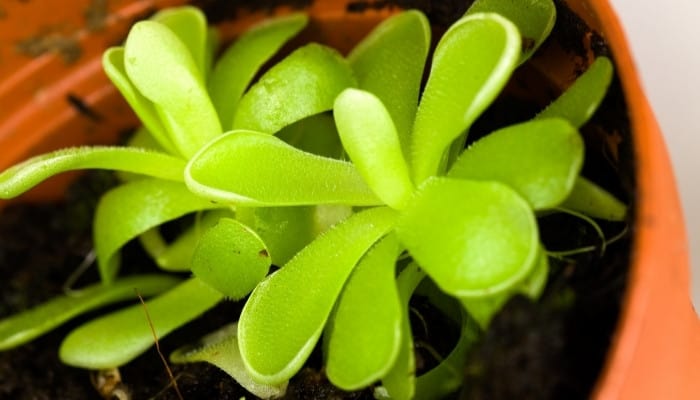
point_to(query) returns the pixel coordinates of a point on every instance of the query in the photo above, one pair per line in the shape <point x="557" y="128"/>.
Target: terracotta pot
<point x="54" y="94"/>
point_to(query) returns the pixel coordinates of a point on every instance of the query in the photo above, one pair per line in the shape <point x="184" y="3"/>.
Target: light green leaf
<point x="255" y="169"/>
<point x="580" y="101"/>
<point x="21" y="328"/>
<point x="163" y="70"/>
<point x="285" y="315"/>
<point x="231" y="258"/>
<point x="534" y="18"/>
<point x="238" y="65"/>
<point x="24" y="176"/>
<point x="400" y="382"/>
<point x="369" y="137"/>
<point x="113" y="65"/>
<point x="538" y="159"/>
<point x="316" y="134"/>
<point x="220" y="348"/>
<point x="389" y="63"/>
<point x="471" y="64"/>
<point x="303" y="84"/>
<point x="365" y="335"/>
<point x="472" y="238"/>
<point x="592" y="200"/>
<point x="117" y="338"/>
<point x="190" y="26"/>
<point x="131" y="209"/>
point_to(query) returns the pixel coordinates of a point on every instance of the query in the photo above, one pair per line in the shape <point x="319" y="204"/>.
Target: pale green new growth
<point x="221" y="349"/>
<point x="190" y="26"/>
<point x="592" y="200"/>
<point x="30" y="324"/>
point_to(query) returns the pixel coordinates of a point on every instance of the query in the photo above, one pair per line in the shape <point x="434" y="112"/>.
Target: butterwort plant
<point x="338" y="170"/>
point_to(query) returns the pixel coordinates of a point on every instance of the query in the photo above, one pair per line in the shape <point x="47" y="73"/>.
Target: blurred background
<point x="664" y="39"/>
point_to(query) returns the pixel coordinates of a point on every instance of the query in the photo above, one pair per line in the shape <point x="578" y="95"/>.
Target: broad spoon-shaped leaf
<point x="538" y="159"/>
<point x="163" y="70"/>
<point x="190" y="26"/>
<point x="303" y="84"/>
<point x="365" y="335"/>
<point x="370" y="139"/>
<point x="389" y="63"/>
<point x="471" y="64"/>
<point x="472" y="238"/>
<point x="117" y="338"/>
<point x="238" y="65"/>
<point x="284" y="317"/>
<point x="255" y="169"/>
<point x="231" y="258"/>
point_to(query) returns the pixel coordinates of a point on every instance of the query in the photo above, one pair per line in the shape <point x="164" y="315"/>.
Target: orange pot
<point x="54" y="94"/>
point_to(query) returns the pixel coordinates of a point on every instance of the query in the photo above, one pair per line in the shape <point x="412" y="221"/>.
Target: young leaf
<point x="534" y="18"/>
<point x="113" y="65"/>
<point x="30" y="324"/>
<point x="256" y="169"/>
<point x="365" y="335"/>
<point x="238" y="65"/>
<point x="190" y="26"/>
<point x="471" y="64"/>
<point x="400" y="382"/>
<point x="389" y="63"/>
<point x="24" y="176"/>
<point x="117" y="338"/>
<point x="472" y="238"/>
<point x="220" y="348"/>
<point x="370" y="139"/>
<point x="578" y="103"/>
<point x="131" y="209"/>
<point x="303" y="84"/>
<point x="592" y="200"/>
<point x="163" y="70"/>
<point x="231" y="258"/>
<point x="539" y="159"/>
<point x="285" y="315"/>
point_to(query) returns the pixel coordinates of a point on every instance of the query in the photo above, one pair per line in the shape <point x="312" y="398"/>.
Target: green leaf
<point x="129" y="210"/>
<point x="220" y="348"/>
<point x="580" y="101"/>
<point x="21" y="328"/>
<point x="316" y="134"/>
<point x="238" y="65"/>
<point x="285" y="315"/>
<point x="534" y="18"/>
<point x="305" y="83"/>
<point x="471" y="64"/>
<point x="231" y="258"/>
<point x="370" y="139"/>
<point x="255" y="169"/>
<point x="538" y="159"/>
<point x="190" y="26"/>
<point x="117" y="338"/>
<point x="592" y="200"/>
<point x="365" y="335"/>
<point x="24" y="176"/>
<point x="472" y="238"/>
<point x="163" y="70"/>
<point x="400" y="382"/>
<point x="113" y="65"/>
<point x="389" y="63"/>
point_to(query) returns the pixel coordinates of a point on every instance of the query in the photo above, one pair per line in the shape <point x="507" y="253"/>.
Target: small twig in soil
<point x="155" y="339"/>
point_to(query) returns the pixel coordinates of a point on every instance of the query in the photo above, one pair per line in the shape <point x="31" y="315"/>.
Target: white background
<point x="665" y="39"/>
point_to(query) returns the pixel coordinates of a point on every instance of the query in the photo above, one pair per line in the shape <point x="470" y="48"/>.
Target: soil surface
<point x="551" y="349"/>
